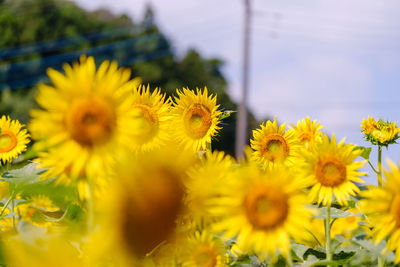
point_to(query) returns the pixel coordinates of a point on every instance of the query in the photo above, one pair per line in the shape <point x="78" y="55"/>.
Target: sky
<point x="336" y="61"/>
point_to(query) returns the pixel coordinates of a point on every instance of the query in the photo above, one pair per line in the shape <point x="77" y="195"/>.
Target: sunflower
<point x="151" y="118"/>
<point x="85" y="120"/>
<point x="52" y="251"/>
<point x="202" y="249"/>
<point x="382" y="207"/>
<point x="308" y="132"/>
<point x="213" y="169"/>
<point x="195" y="119"/>
<point x="263" y="209"/>
<point x="273" y="145"/>
<point x="40" y="211"/>
<point x="380" y="132"/>
<point x="13" y="139"/>
<point x="329" y="168"/>
<point x="142" y="208"/>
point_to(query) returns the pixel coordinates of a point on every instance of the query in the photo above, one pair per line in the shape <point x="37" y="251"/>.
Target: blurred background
<point x="335" y="61"/>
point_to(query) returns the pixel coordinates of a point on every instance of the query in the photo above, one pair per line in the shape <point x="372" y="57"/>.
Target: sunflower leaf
<point x="26" y="175"/>
<point x="366" y="151"/>
<point x="335" y="213"/>
<point x="226" y="114"/>
<point x="299" y="250"/>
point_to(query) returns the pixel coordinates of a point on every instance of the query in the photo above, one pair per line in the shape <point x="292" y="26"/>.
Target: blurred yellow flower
<point x="141" y="209"/>
<point x="263" y="210"/>
<point x="331" y="170"/>
<point x="85" y="119"/>
<point x="213" y="169"/>
<point x="13" y="139"/>
<point x="272" y="144"/>
<point x="195" y="120"/>
<point x="151" y="116"/>
<point x="307" y="132"/>
<point x="380" y="132"/>
<point x="202" y="249"/>
<point x="382" y="207"/>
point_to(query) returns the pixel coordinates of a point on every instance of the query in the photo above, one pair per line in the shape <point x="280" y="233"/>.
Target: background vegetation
<point x="38" y="34"/>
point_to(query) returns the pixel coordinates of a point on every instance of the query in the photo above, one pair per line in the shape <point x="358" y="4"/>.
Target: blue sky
<point x="336" y="61"/>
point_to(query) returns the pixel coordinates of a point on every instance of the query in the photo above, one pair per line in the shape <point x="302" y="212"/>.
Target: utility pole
<point x="241" y="124"/>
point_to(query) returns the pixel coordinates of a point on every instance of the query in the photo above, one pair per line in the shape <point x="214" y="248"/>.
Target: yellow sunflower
<point x="195" y="119"/>
<point x="85" y="120"/>
<point x="40" y="211"/>
<point x="272" y="144"/>
<point x="307" y="132"/>
<point x="380" y="132"/>
<point x="330" y="168"/>
<point x="142" y="208"/>
<point x="213" y="169"/>
<point x="42" y="251"/>
<point x="13" y="139"/>
<point x="382" y="207"/>
<point x="151" y="118"/>
<point x="263" y="209"/>
<point x="202" y="250"/>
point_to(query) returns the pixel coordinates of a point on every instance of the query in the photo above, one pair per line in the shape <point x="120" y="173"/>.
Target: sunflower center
<point x="197" y="121"/>
<point x="146" y="123"/>
<point x="8" y="141"/>
<point x="395" y="209"/>
<point x="149" y="214"/>
<point x="305" y="137"/>
<point x="330" y="172"/>
<point x="205" y="257"/>
<point x="274" y="147"/>
<point x="91" y="121"/>
<point x="266" y="207"/>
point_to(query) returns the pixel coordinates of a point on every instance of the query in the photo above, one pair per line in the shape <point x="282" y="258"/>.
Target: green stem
<point x="372" y="166"/>
<point x="5" y="205"/>
<point x="328" y="233"/>
<point x="12" y="210"/>
<point x="90" y="208"/>
<point x="381" y="261"/>
<point x="289" y="259"/>
<point x="379" y="165"/>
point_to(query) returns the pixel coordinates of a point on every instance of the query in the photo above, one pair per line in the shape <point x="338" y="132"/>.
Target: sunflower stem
<point x="289" y="259"/>
<point x="5" y="205"/>
<point x="381" y="261"/>
<point x="372" y="166"/>
<point x="379" y="165"/>
<point x="90" y="207"/>
<point x="328" y="233"/>
<point x="12" y="210"/>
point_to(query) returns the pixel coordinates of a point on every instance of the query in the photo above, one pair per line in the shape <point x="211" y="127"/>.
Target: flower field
<point x="110" y="172"/>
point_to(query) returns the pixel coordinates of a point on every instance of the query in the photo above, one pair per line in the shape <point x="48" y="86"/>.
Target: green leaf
<point x="366" y="151"/>
<point x="226" y="114"/>
<point x="335" y="213"/>
<point x="375" y="249"/>
<point x="299" y="250"/>
<point x="26" y="175"/>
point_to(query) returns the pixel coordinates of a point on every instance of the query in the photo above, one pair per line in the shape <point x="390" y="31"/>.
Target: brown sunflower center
<point x="395" y="209"/>
<point x="91" y="121"/>
<point x="149" y="213"/>
<point x="8" y="141"/>
<point x="146" y="123"/>
<point x="274" y="147"/>
<point x="197" y="121"/>
<point x="266" y="207"/>
<point x="330" y="171"/>
<point x="205" y="256"/>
